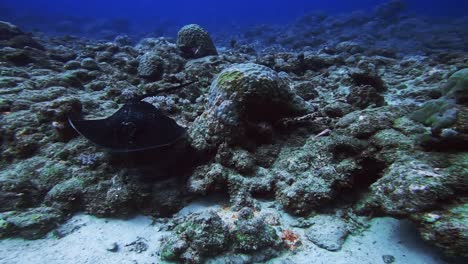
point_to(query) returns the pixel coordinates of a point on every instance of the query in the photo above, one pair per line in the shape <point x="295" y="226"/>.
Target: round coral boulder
<point x="195" y="42"/>
<point x="242" y="95"/>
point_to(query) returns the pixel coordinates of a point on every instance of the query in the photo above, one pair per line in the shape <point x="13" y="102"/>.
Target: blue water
<point x="160" y="17"/>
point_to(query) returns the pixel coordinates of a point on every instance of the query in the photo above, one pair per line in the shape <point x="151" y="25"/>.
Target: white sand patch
<point x="89" y="243"/>
<point x="386" y="236"/>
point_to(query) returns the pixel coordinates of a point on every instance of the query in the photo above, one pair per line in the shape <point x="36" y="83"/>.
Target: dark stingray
<point x="137" y="126"/>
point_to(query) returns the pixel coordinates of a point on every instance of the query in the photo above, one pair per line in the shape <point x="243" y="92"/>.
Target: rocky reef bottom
<point x="87" y="239"/>
<point x="308" y="144"/>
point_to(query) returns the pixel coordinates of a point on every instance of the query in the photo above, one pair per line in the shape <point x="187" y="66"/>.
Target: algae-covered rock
<point x="207" y="178"/>
<point x="241" y="94"/>
<point x="237" y="159"/>
<point x="306" y="90"/>
<point x="365" y="78"/>
<point x="364" y="96"/>
<point x="168" y="197"/>
<point x="337" y="109"/>
<point x="251" y="234"/>
<point x="412" y="185"/>
<point x="310" y="177"/>
<point x="17" y="193"/>
<point x="446" y="228"/>
<point x="457" y="86"/>
<point x="436" y="114"/>
<point x="390" y="138"/>
<point x="448" y="121"/>
<point x="195" y="42"/>
<point x="30" y="224"/>
<point x="89" y="64"/>
<point x="58" y="110"/>
<point x="306" y="193"/>
<point x="447" y="116"/>
<point x="66" y="195"/>
<point x="198" y="236"/>
<point x="363" y="124"/>
<point x="113" y="197"/>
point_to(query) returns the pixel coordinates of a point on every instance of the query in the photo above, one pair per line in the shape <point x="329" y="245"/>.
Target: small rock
<point x="364" y="96"/>
<point x="366" y="78"/>
<point x="138" y="245"/>
<point x="328" y="232"/>
<point x="72" y="65"/>
<point x="89" y="64"/>
<point x="388" y="259"/>
<point x="114" y="247"/>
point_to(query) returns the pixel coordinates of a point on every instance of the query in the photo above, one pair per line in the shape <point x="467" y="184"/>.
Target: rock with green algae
<point x="310" y="177"/>
<point x="204" y="69"/>
<point x="301" y="179"/>
<point x="204" y="237"/>
<point x="448" y="123"/>
<point x="447" y="116"/>
<point x="51" y="173"/>
<point x="67" y="195"/>
<point x="113" y="197"/>
<point x="337" y="109"/>
<point x="408" y="127"/>
<point x="363" y="124"/>
<point x="446" y="228"/>
<point x="308" y="192"/>
<point x="198" y="236"/>
<point x="238" y="159"/>
<point x="391" y="138"/>
<point x="364" y="96"/>
<point x="413" y="184"/>
<point x="167" y="197"/>
<point x="240" y="95"/>
<point x="18" y="193"/>
<point x="57" y="110"/>
<point x="195" y="42"/>
<point x="251" y="234"/>
<point x="208" y="178"/>
<point x="437" y="114"/>
<point x="457" y="86"/>
<point x="30" y="224"/>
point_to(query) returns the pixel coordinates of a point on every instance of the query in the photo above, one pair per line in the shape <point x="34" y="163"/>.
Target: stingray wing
<point x="134" y="127"/>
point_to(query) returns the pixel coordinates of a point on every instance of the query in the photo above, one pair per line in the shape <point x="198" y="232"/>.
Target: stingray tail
<point x="154" y="93"/>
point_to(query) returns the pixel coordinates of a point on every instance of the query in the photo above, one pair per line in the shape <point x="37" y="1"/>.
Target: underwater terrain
<point x="333" y="137"/>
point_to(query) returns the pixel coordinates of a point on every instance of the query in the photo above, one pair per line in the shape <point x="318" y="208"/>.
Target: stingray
<point x="136" y="126"/>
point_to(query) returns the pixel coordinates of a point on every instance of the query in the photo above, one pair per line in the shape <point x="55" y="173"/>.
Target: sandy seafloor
<point x="89" y="239"/>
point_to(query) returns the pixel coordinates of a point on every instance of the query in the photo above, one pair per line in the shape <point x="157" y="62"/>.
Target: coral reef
<point x="305" y="131"/>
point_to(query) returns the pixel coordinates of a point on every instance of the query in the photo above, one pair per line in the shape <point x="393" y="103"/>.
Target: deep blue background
<point x="144" y="14"/>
